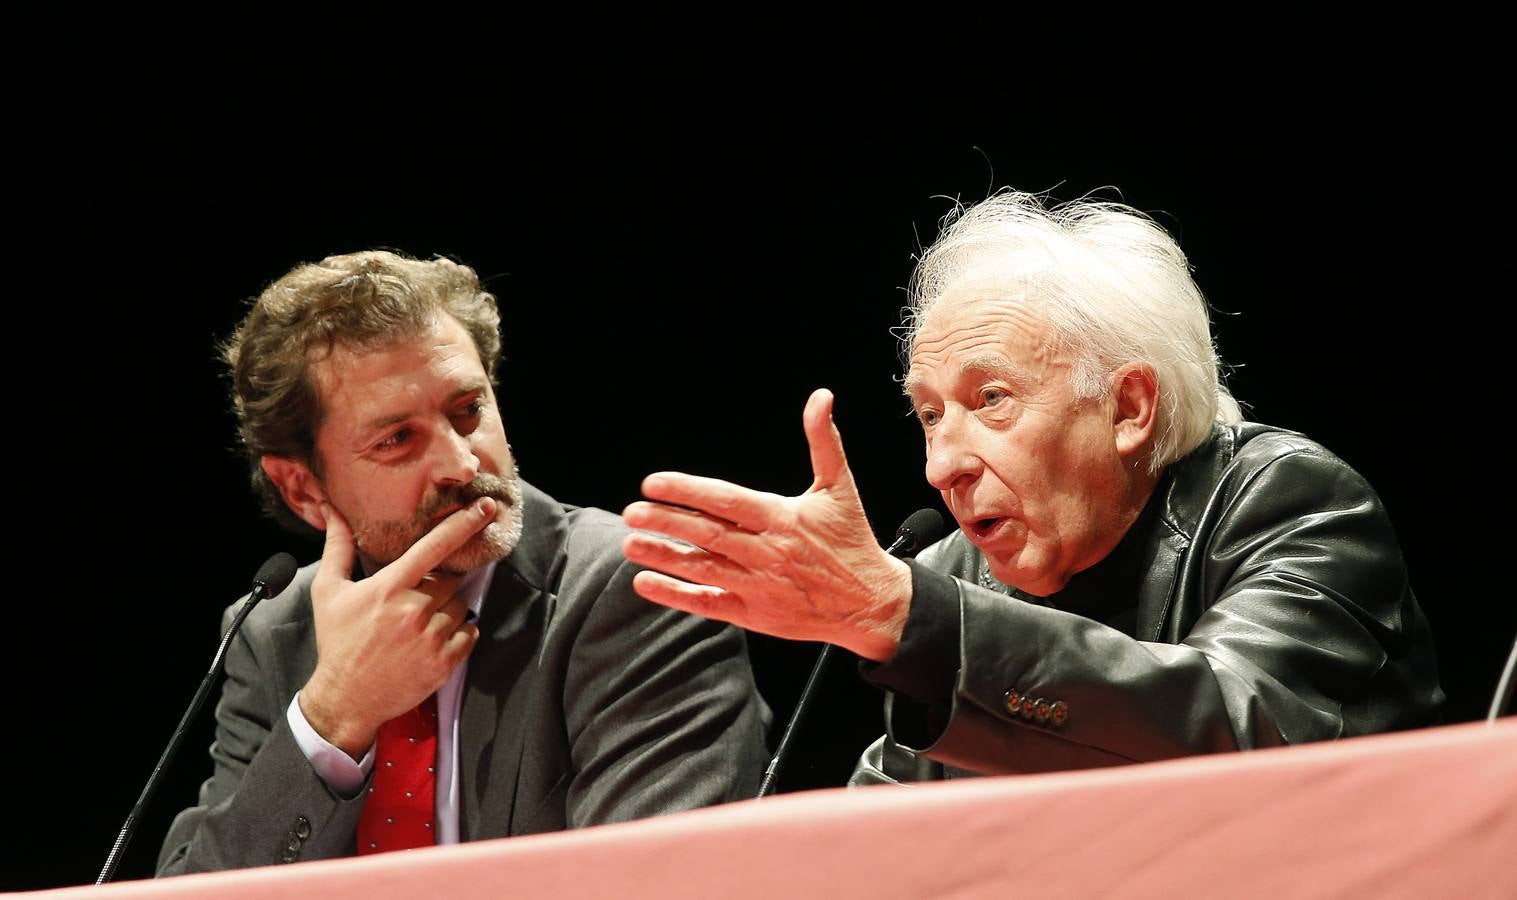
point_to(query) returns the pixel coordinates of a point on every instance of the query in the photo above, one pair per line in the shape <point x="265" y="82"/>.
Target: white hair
<point x="1112" y="284"/>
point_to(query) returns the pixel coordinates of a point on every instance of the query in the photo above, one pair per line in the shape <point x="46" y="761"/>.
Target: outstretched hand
<point x="386" y="642"/>
<point x="804" y="567"/>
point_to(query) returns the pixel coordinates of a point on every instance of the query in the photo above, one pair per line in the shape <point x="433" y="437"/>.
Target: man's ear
<point x="302" y="491"/>
<point x="1135" y="409"/>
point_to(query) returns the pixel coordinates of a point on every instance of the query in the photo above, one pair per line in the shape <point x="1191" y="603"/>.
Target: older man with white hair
<point x="1138" y="573"/>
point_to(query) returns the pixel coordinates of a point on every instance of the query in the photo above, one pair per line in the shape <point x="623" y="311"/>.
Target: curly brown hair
<point x="367" y="299"/>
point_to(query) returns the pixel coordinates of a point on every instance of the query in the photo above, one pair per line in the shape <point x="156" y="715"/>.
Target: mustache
<point x="483" y="485"/>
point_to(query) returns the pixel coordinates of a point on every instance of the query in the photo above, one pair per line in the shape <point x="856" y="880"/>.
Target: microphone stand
<point x="801" y="707"/>
<point x="261" y="587"/>
<point x="921" y="528"/>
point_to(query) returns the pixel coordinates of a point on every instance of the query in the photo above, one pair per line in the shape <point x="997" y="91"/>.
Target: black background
<point x="691" y="221"/>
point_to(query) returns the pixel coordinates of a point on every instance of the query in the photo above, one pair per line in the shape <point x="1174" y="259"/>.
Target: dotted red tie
<point x="400" y="807"/>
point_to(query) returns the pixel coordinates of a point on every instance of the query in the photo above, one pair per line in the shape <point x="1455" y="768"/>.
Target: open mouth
<point x="984" y="528"/>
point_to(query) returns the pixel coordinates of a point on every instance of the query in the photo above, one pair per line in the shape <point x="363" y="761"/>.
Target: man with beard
<point x="467" y="660"/>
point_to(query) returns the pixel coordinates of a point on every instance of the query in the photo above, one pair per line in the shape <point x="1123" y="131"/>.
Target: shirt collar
<point x="473" y="587"/>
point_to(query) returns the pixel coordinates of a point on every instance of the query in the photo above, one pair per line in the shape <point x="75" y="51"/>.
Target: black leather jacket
<point x="1260" y="599"/>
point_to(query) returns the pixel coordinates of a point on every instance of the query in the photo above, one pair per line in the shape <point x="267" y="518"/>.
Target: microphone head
<point x="923" y="527"/>
<point x="275" y="574"/>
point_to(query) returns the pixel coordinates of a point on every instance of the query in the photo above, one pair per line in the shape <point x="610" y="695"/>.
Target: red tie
<point x="398" y="812"/>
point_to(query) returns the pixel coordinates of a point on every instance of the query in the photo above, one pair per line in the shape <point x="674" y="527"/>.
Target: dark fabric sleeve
<point x="884" y="762"/>
<point x="661" y="710"/>
<point x="263" y="803"/>
<point x="925" y="666"/>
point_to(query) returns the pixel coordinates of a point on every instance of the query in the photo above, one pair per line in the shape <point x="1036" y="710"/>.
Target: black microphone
<point x="921" y="528"/>
<point x="273" y="576"/>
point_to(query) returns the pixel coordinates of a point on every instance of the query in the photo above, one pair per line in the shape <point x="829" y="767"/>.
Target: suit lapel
<point x="1167" y="609"/>
<point x="493" y="721"/>
<point x="491" y="728"/>
<point x="1156" y="592"/>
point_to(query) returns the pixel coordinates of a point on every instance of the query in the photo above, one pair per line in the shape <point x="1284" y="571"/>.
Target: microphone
<point x="923" y="527"/>
<point x="920" y="529"/>
<point x="273" y="577"/>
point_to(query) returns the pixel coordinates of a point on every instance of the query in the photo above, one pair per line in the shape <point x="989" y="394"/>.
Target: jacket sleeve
<point x="1309" y="632"/>
<point x="660" y="708"/>
<point x="263" y="803"/>
<point x="883" y="762"/>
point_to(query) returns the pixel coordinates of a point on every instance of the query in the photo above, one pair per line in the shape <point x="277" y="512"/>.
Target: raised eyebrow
<point x="911" y="384"/>
<point x="472" y="388"/>
<point x="381" y="424"/>
<point x="384" y="422"/>
<point x="996" y="367"/>
<point x="983" y="365"/>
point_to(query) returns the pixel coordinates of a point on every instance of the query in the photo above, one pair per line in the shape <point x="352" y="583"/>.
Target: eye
<point x="992" y="395"/>
<point x="928" y="416"/>
<point x="467" y="417"/>
<point x="394" y="440"/>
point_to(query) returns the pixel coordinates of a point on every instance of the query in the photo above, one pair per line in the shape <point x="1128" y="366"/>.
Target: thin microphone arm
<point x="274" y="576"/>
<point x="1501" y="703"/>
<point x="920" y="529"/>
<point x="801" y="707"/>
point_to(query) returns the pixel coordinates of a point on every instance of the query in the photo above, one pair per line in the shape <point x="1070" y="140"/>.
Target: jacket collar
<point x="538" y="556"/>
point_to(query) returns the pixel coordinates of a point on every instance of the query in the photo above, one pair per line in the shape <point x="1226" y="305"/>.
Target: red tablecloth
<point x="1430" y="813"/>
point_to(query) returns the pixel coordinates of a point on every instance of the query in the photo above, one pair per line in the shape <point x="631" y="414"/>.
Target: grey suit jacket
<point x="583" y="704"/>
<point x="1260" y="600"/>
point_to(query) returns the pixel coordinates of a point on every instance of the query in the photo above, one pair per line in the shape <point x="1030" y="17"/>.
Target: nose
<point x="951" y="456"/>
<point x="454" y="461"/>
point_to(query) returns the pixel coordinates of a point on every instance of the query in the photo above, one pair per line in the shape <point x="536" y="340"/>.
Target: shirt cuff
<point x="925" y="667"/>
<point x="333" y="766"/>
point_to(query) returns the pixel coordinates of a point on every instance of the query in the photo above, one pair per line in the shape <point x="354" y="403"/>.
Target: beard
<point x="386" y="541"/>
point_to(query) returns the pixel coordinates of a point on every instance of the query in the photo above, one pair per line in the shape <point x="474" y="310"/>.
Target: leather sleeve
<point x="925" y="665"/>
<point x="1309" y="631"/>
<point x="263" y="803"/>
<point x="884" y="762"/>
<point x="661" y="710"/>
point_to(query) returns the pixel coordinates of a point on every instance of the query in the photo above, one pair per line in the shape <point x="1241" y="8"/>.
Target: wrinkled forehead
<point x="327" y="365"/>
<point x="993" y="331"/>
<point x="440" y="350"/>
<point x="968" y="305"/>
